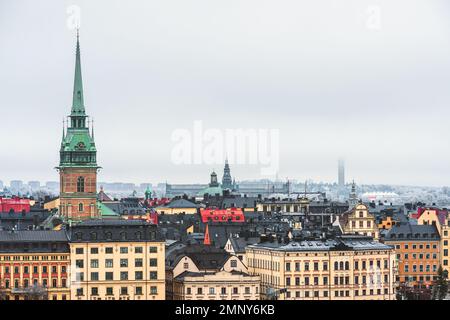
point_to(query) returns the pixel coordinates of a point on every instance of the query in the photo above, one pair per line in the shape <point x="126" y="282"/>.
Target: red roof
<point x="222" y="215"/>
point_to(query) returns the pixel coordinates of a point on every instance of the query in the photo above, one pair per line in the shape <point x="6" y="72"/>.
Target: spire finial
<point x="92" y="134"/>
<point x="63" y="132"/>
<point x="78" y="101"/>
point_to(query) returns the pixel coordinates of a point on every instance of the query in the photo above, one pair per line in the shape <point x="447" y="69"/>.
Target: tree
<point x="440" y="286"/>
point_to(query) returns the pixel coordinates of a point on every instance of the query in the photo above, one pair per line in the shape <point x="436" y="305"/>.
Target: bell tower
<point x="78" y="164"/>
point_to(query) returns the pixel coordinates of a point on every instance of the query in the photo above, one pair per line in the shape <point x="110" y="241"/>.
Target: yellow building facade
<point x="116" y="260"/>
<point x="359" y="221"/>
<point x="351" y="269"/>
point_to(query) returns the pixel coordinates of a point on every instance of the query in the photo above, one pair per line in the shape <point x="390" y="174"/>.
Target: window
<point x="80" y="184"/>
<point x="297" y="266"/>
<point x="188" y="291"/>
<point x="223" y="290"/>
<point x="211" y="291"/>
<point x="153" y="290"/>
<point x="109" y="291"/>
<point x="153" y="275"/>
<point x="288" y="281"/>
<point x="138" y="291"/>
<point x="80" y="207"/>
<point x="138" y="250"/>
<point x="94" y="263"/>
<point x="54" y="283"/>
<point x="109" y="263"/>
<point x="79" y="250"/>
<point x="233" y="263"/>
<point x="108" y="276"/>
<point x="235" y="290"/>
<point x="153" y="262"/>
<point x="123" y="275"/>
<point x="138" y="275"/>
<point x="123" y="250"/>
<point x="94" y="291"/>
<point x="94" y="250"/>
<point x="153" y="249"/>
<point x="138" y="262"/>
<point x="288" y="266"/>
<point x="79" y="263"/>
<point x="94" y="276"/>
<point x="108" y="250"/>
<point x="124" y="290"/>
<point x="79" y="291"/>
<point x="124" y="263"/>
<point x="199" y="290"/>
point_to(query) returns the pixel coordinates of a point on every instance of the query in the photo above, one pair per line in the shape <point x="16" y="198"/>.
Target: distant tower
<point x="78" y="159"/>
<point x="227" y="181"/>
<point x="353" y="199"/>
<point x="341" y="173"/>
<point x="213" y="182"/>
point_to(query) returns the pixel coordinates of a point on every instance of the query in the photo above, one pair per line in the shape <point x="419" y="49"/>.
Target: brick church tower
<point x="78" y="164"/>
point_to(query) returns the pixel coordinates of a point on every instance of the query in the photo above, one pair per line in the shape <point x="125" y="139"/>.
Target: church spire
<point x="78" y="101"/>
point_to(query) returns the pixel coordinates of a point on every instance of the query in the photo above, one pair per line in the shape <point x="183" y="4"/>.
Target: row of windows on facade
<point x="223" y="290"/>
<point x="279" y="208"/>
<point x="361" y="224"/>
<point x="26" y="297"/>
<point x="343" y="280"/>
<point x="337" y="293"/>
<point x="414" y="268"/>
<point x="415" y="236"/>
<point x="416" y="278"/>
<point x="26" y="283"/>
<point x="123" y="250"/>
<point x="35" y="270"/>
<point x="95" y="276"/>
<point x="264" y="264"/>
<point x="406" y="256"/>
<point x="108" y="235"/>
<point x="415" y="246"/>
<point x="109" y="263"/>
<point x="123" y="291"/>
<point x="34" y="258"/>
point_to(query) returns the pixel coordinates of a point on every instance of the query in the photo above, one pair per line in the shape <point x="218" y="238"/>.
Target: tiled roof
<point x="33" y="236"/>
<point x="408" y="231"/>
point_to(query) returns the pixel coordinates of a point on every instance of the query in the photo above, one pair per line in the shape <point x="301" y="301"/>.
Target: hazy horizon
<point x="367" y="81"/>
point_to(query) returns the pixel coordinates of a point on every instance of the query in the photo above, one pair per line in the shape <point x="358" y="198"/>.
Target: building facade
<point x="116" y="260"/>
<point x="34" y="265"/>
<point x="417" y="249"/>
<point x="345" y="269"/>
<point x="359" y="221"/>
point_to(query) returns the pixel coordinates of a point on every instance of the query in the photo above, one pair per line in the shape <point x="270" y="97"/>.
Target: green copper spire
<point x="77" y="145"/>
<point x="78" y="101"/>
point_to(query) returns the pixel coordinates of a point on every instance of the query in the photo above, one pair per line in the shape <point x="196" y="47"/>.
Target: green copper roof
<point x="78" y="100"/>
<point x="105" y="211"/>
<point x="211" y="191"/>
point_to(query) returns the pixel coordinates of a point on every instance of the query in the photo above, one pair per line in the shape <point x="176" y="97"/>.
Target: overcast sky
<point x="364" y="80"/>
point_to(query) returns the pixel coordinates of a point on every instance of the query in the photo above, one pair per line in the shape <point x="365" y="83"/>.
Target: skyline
<point x="119" y="68"/>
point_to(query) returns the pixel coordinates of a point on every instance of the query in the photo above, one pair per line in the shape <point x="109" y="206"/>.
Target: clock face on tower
<point x="80" y="145"/>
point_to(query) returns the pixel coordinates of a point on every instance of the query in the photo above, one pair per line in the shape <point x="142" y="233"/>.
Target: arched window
<point x="347" y="265"/>
<point x="80" y="207"/>
<point x="341" y="265"/>
<point x="336" y="266"/>
<point x="80" y="184"/>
